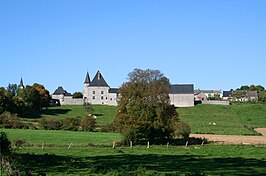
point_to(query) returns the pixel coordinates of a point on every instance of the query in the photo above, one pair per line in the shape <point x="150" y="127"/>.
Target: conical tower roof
<point x="98" y="81"/>
<point x="87" y="79"/>
<point x="21" y="86"/>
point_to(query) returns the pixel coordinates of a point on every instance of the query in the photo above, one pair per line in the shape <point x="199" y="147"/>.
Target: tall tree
<point x="144" y="110"/>
<point x="31" y="97"/>
<point x="45" y="97"/>
<point x="12" y="89"/>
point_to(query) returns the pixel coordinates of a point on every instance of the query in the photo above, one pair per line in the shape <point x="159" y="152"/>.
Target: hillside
<point x="237" y="119"/>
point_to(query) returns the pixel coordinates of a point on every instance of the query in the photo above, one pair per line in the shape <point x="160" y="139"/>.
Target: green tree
<point x="5" y="100"/>
<point x="144" y="110"/>
<point x="12" y="89"/>
<point x="31" y="97"/>
<point x="45" y="97"/>
<point x="262" y="96"/>
<point x="77" y="95"/>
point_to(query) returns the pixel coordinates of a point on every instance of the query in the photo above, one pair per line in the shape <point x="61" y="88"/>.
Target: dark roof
<point x="182" y="89"/>
<point x="113" y="90"/>
<point x="21" y="84"/>
<point x="60" y="90"/>
<point x="227" y="93"/>
<point x="87" y="79"/>
<point x="98" y="81"/>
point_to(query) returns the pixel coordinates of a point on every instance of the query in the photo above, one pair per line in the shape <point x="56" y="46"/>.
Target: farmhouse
<point x="98" y="91"/>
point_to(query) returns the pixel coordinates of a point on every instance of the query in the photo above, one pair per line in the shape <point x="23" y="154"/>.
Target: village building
<point x="98" y="91"/>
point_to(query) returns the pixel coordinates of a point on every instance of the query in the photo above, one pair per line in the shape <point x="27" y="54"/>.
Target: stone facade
<point x="98" y="91"/>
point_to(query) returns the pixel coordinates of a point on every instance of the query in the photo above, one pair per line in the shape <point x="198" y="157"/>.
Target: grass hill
<point x="236" y="119"/>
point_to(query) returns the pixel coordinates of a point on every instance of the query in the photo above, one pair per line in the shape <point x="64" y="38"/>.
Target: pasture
<point x="236" y="119"/>
<point x="209" y="159"/>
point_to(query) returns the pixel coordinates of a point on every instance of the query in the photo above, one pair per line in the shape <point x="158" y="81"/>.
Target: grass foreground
<point x="209" y="159"/>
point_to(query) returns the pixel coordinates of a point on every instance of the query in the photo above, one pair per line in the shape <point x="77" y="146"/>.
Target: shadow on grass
<point x="46" y="112"/>
<point x="130" y="164"/>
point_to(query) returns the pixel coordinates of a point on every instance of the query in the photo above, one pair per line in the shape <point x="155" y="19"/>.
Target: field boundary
<point x="235" y="139"/>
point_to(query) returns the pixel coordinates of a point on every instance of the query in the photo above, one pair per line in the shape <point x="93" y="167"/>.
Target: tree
<point x="77" y="95"/>
<point x="31" y="97"/>
<point x="5" y="100"/>
<point x="262" y="96"/>
<point x="12" y="89"/>
<point x="45" y="97"/>
<point x="144" y="110"/>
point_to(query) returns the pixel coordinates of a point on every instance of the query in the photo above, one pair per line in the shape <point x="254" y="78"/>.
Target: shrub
<point x="50" y="124"/>
<point x="182" y="129"/>
<point x="88" y="123"/>
<point x="107" y="128"/>
<point x="72" y="124"/>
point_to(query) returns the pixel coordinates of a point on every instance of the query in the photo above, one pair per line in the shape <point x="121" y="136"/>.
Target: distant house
<point x="227" y="95"/>
<point x="240" y="95"/>
<point x="207" y="94"/>
<point x="182" y="95"/>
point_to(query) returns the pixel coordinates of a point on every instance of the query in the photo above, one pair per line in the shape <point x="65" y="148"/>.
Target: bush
<point x="50" y="124"/>
<point x="88" y="123"/>
<point x="107" y="128"/>
<point x="5" y="144"/>
<point x="72" y="124"/>
<point x="182" y="129"/>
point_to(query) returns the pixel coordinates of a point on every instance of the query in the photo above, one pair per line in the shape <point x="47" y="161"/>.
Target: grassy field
<point x="158" y="160"/>
<point x="104" y="114"/>
<point x="237" y="119"/>
<point x="62" y="137"/>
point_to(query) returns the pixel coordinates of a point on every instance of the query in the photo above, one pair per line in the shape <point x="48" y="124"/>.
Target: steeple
<point x="87" y="79"/>
<point x="21" y="86"/>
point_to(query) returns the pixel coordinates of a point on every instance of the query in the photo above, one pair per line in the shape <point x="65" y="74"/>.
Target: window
<point x="106" y="98"/>
<point x="101" y="92"/>
<point x="111" y="99"/>
<point x="102" y="97"/>
<point x="93" y="97"/>
<point x="93" y="92"/>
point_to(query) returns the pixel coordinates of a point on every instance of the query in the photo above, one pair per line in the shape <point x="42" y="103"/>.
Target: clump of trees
<point x="144" y="111"/>
<point x="21" y="101"/>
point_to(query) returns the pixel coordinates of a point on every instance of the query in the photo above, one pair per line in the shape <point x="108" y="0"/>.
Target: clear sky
<point x="214" y="44"/>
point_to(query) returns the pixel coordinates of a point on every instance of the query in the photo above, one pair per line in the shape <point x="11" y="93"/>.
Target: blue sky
<point x="214" y="44"/>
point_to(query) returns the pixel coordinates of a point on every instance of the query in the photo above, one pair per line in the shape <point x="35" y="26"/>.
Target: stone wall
<point x="216" y="102"/>
<point x="182" y="100"/>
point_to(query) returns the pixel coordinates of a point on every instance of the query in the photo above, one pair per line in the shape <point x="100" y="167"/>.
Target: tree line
<point x="22" y="101"/>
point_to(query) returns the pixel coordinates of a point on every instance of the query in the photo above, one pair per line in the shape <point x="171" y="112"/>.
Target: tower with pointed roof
<point x="86" y="85"/>
<point x="98" y="91"/>
<point x="21" y="86"/>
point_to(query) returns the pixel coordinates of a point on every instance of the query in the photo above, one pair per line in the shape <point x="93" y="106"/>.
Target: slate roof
<point x="207" y="91"/>
<point x="87" y="79"/>
<point x="60" y="90"/>
<point x="227" y="93"/>
<point x="182" y="89"/>
<point x="113" y="90"/>
<point x="98" y="81"/>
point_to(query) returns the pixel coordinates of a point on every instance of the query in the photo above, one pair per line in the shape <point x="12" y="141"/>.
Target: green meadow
<point x="53" y="152"/>
<point x="236" y="119"/>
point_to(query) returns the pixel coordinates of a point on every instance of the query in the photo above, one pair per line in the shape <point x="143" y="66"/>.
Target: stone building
<point x="98" y="91"/>
<point x="182" y="95"/>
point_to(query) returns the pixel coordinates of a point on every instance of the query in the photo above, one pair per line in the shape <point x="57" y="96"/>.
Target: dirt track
<point x="234" y="139"/>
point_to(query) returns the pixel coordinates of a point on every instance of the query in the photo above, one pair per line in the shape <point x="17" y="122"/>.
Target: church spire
<point x="21" y="86"/>
<point x="87" y="79"/>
